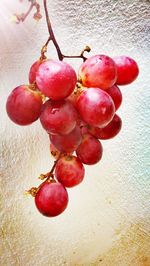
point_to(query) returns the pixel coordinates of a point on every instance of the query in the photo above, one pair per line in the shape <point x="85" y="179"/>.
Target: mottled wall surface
<point x="107" y="222"/>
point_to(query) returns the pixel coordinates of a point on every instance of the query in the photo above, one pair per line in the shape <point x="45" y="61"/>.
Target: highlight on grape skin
<point x="24" y="105"/>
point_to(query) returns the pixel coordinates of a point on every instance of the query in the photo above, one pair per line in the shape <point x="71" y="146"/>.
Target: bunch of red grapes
<point x="76" y="114"/>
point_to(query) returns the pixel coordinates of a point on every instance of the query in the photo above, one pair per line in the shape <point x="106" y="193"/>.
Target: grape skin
<point x="96" y="107"/>
<point x="108" y="132"/>
<point x="56" y="79"/>
<point x="24" y="105"/>
<point x="58" y="117"/>
<point x="67" y="143"/>
<point x="90" y="150"/>
<point x="33" y="71"/>
<point x="127" y="70"/>
<point x="98" y="71"/>
<point x="116" y="96"/>
<point x="51" y="199"/>
<point x="69" y="171"/>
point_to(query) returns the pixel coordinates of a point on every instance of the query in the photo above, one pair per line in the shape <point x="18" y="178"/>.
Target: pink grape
<point x="108" y="132"/>
<point x="24" y="105"/>
<point x="98" y="71"/>
<point x="58" y="117"/>
<point x="33" y="70"/>
<point x="56" y="79"/>
<point x="69" y="171"/>
<point x="127" y="70"/>
<point x="96" y="107"/>
<point x="90" y="150"/>
<point x="116" y="95"/>
<point x="67" y="143"/>
<point x="51" y="199"/>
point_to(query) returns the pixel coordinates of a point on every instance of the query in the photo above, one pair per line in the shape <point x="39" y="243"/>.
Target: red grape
<point x="108" y="132"/>
<point x="98" y="71"/>
<point x="96" y="107"/>
<point x="69" y="171"/>
<point x="24" y="105"/>
<point x="127" y="70"/>
<point x="56" y="79"/>
<point x="51" y="199"/>
<point x="116" y="95"/>
<point x="90" y="150"/>
<point x="67" y="143"/>
<point x="33" y="70"/>
<point x="58" y="117"/>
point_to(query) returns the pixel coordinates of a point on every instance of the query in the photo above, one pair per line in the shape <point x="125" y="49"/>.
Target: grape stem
<point x="23" y="16"/>
<point x="50" y="175"/>
<point x="52" y="37"/>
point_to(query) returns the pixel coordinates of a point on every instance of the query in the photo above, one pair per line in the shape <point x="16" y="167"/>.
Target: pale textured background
<point x="107" y="222"/>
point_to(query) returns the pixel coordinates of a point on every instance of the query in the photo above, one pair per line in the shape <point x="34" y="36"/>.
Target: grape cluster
<point x="76" y="113"/>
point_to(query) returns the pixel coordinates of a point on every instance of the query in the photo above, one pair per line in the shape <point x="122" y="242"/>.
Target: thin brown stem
<point x="86" y="49"/>
<point x="51" y="33"/>
<point x="44" y="49"/>
<point x="52" y="37"/>
<point x="50" y="174"/>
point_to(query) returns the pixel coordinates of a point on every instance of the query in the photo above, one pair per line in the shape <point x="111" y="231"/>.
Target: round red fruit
<point x="67" y="143"/>
<point x="51" y="199"/>
<point x="90" y="150"/>
<point x="56" y="79"/>
<point x="69" y="171"/>
<point x="98" y="71"/>
<point x="96" y="107"/>
<point x="24" y="105"/>
<point x="33" y="70"/>
<point x="108" y="132"/>
<point x="127" y="70"/>
<point x="116" y="95"/>
<point x="58" y="117"/>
